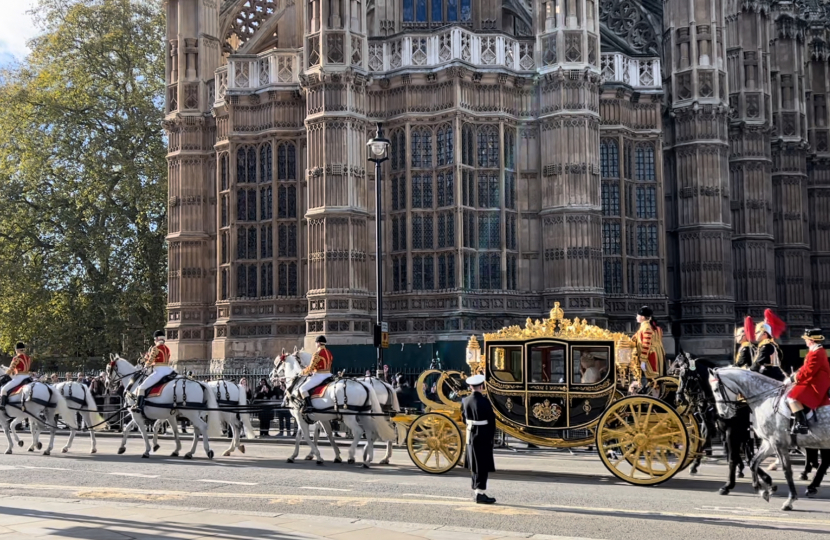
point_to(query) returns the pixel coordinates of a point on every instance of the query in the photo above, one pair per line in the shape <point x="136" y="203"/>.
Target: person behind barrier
<point x="812" y="382"/>
<point x="157" y="359"/>
<point x="18" y="370"/>
<point x="318" y="370"/>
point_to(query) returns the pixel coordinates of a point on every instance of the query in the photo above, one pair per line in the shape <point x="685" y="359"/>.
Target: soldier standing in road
<point x="477" y="412"/>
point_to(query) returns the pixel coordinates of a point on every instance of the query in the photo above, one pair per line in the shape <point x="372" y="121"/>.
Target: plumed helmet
<point x="771" y="324"/>
<point x="749" y="335"/>
<point x="740" y="331"/>
<point x="813" y="334"/>
<point x="320" y="339"/>
<point x="645" y="311"/>
<point x="20" y="345"/>
<point x="158" y="334"/>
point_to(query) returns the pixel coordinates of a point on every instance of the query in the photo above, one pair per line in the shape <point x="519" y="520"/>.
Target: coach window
<point x="547" y="363"/>
<point x="507" y="364"/>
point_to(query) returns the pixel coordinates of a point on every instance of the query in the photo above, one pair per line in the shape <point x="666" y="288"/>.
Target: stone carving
<point x="630" y="26"/>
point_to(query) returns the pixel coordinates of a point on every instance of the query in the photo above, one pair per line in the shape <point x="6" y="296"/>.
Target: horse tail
<point x="381" y="425"/>
<point x="245" y="417"/>
<point x="64" y="411"/>
<point x="214" y="417"/>
<point x="395" y="405"/>
<point x="96" y="421"/>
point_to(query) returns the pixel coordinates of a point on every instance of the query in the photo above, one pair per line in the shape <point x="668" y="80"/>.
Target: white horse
<point x="766" y="398"/>
<point x="80" y="401"/>
<point x="349" y="395"/>
<point x="40" y="403"/>
<point x="180" y="396"/>
<point x="388" y="399"/>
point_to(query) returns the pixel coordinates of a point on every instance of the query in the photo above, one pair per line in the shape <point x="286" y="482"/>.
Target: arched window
<point x="287" y="202"/>
<point x="223" y="172"/>
<point x="265" y="163"/>
<point x="245" y="165"/>
<point x="609" y="158"/>
<point x="286" y="161"/>
<point x="488" y="146"/>
<point x="444" y="146"/>
<point x="421" y="148"/>
<point x="397" y="150"/>
<point x="644" y="162"/>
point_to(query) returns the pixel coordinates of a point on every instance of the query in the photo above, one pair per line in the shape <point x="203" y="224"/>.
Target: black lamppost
<point x="378" y="153"/>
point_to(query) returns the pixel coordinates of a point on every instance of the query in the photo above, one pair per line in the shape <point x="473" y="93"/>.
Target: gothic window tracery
<point x="609" y="158"/>
<point x="421" y="12"/>
<point x="613" y="276"/>
<point x="611" y="238"/>
<point x="649" y="278"/>
<point x="446" y="271"/>
<point x="444" y="147"/>
<point x="266" y="235"/>
<point x="489" y="271"/>
<point x="610" y="199"/>
<point x="644" y="162"/>
<point x="287" y="279"/>
<point x="266" y="203"/>
<point x="246" y="205"/>
<point x="247" y="21"/>
<point x="265" y="163"/>
<point x="421" y="148"/>
<point x="488" y="147"/>
<point x="397" y="151"/>
<point x="446" y="188"/>
<point x="224" y="182"/>
<point x="246" y="165"/>
<point x="267" y="279"/>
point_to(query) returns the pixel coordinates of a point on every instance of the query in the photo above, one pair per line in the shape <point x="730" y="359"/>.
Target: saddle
<point x="19" y="388"/>
<point x="318" y="391"/>
<point x="156" y="389"/>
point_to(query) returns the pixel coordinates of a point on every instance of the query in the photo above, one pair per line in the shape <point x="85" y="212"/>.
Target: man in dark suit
<point x="480" y="419"/>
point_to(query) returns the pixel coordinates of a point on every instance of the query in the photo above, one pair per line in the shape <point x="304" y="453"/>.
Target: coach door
<point x="546" y="364"/>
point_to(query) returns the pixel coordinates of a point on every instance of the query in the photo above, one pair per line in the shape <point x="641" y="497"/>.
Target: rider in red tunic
<point x="812" y="381"/>
<point x="18" y="370"/>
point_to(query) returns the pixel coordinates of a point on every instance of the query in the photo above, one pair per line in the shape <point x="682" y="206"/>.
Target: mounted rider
<point x="317" y="371"/>
<point x="157" y="359"/>
<point x="743" y="338"/>
<point x="768" y="352"/>
<point x="812" y="381"/>
<point x="649" y="342"/>
<point x="18" y="370"/>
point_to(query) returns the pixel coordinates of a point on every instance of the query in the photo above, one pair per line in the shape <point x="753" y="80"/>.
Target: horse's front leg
<point x="142" y="428"/>
<point x="52" y="431"/>
<point x="125" y="432"/>
<point x="297" y="437"/>
<point x="6" y="425"/>
<point x="758" y="481"/>
<point x="91" y="421"/>
<point x="387" y="457"/>
<point x="13" y="430"/>
<point x="357" y="432"/>
<point x="69" y="441"/>
<point x="306" y="430"/>
<point x="787" y="465"/>
<point x="330" y="433"/>
<point x="156" y="428"/>
<point x="234" y="427"/>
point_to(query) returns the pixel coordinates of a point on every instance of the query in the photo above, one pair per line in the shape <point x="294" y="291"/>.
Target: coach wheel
<point x="434" y="443"/>
<point x="642" y="440"/>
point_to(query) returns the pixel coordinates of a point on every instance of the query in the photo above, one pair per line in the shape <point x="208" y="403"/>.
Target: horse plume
<point x="776" y="325"/>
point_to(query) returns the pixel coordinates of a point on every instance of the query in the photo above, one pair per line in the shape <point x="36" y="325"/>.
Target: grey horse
<point x="767" y="399"/>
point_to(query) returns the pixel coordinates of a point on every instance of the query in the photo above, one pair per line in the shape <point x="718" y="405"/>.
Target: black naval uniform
<point x="476" y="409"/>
<point x="764" y="356"/>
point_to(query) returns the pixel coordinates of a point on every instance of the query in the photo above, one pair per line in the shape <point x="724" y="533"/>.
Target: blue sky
<point x="16" y="28"/>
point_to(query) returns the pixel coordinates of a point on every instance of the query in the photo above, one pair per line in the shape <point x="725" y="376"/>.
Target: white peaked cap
<point x="476" y="380"/>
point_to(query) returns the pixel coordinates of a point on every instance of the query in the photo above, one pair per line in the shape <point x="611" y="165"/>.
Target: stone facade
<point x="542" y="151"/>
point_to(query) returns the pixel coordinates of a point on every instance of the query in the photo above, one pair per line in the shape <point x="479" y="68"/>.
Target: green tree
<point x="83" y="180"/>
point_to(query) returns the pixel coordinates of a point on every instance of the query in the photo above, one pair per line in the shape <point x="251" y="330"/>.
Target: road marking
<point x="435" y="496"/>
<point x="45" y="468"/>
<point x="229" y="482"/>
<point x="136" y="475"/>
<point x="324" y="488"/>
<point x="128" y="493"/>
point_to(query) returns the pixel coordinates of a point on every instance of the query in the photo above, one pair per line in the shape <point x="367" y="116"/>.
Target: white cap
<point x="475" y="380"/>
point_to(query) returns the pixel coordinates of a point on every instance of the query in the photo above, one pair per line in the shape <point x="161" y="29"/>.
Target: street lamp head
<point x="378" y="146"/>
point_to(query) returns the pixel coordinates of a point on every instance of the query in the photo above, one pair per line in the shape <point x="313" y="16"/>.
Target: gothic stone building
<point x="604" y="154"/>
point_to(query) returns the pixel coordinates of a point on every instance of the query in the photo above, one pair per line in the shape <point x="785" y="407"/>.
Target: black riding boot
<point x="4" y="400"/>
<point x="800" y="423"/>
<point x="307" y="403"/>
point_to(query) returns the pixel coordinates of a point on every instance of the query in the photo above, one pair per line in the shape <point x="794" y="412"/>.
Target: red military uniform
<point x="812" y="381"/>
<point x="163" y="356"/>
<point x="20" y="365"/>
<point x="321" y="362"/>
<point x="650" y="350"/>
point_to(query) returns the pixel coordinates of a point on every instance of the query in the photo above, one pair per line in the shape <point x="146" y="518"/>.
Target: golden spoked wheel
<point x="642" y="440"/>
<point x="435" y="443"/>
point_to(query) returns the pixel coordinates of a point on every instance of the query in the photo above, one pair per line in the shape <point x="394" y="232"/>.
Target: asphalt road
<point x="543" y="492"/>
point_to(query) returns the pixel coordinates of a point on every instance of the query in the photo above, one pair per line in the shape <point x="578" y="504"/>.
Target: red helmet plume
<point x="749" y="329"/>
<point x="776" y="325"/>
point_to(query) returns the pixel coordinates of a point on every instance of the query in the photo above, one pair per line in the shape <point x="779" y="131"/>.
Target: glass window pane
<point x="437" y="9"/>
<point x="590" y="364"/>
<point x="466" y="11"/>
<point x="547" y="363"/>
<point x="421" y="10"/>
<point x="429" y="272"/>
<point x="408" y="11"/>
<point x="452" y="10"/>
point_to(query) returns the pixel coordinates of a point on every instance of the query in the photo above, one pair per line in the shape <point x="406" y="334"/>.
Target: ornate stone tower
<point x="569" y="41"/>
<point x="750" y="163"/>
<point x="192" y="58"/>
<point x="697" y="166"/>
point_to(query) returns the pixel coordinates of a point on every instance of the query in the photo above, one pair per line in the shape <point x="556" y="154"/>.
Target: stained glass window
<point x="609" y="158"/>
<point x="437" y="9"/>
<point x="426" y="186"/>
<point x="421" y="10"/>
<point x="225" y="247"/>
<point x="252" y="243"/>
<point x="629" y="201"/>
<point x="632" y="277"/>
<point x="394" y="193"/>
<point x="428" y="241"/>
<point x="408" y="10"/>
<point x="510" y="230"/>
<point x="610" y="199"/>
<point x="246" y="205"/>
<point x="417" y="273"/>
<point x="399" y="273"/>
<point x="250" y="164"/>
<point x="628" y="160"/>
<point x="266" y="203"/>
<point x="611" y="238"/>
<point x="402" y="230"/>
<point x="241" y="169"/>
<point x="469" y="229"/>
<point x="647" y="241"/>
<point x="223" y="171"/>
<point x="397" y="151"/>
<point x="241" y="243"/>
<point x="267" y="279"/>
<point x="266" y="242"/>
<point x="467" y="188"/>
<point x="446" y="189"/>
<point x="644" y="160"/>
<point x="265" y="163"/>
<point x="488" y="146"/>
<point x="469" y="278"/>
<point x="466" y="11"/>
<point x="282" y="280"/>
<point x="613" y="276"/>
<point x="510" y="190"/>
<point x="489" y="233"/>
<point x="287" y="238"/>
<point x="429" y="273"/>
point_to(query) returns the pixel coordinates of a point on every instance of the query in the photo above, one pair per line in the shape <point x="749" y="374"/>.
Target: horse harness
<point x="70" y="397"/>
<point x="227" y="401"/>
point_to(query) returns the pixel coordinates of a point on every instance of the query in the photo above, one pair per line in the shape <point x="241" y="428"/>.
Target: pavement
<point x="542" y="494"/>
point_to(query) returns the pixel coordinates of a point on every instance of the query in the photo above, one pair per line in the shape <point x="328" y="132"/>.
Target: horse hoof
<point x="723" y="491"/>
<point x="31" y="449"/>
<point x="803" y="476"/>
<point x="773" y="489"/>
<point x="20" y="443"/>
<point x="226" y="453"/>
<point x="338" y="460"/>
<point x="384" y="462"/>
<point x="787" y="506"/>
<point x="9" y="451"/>
<point x="365" y="465"/>
<point x="765" y="495"/>
<point x="319" y="462"/>
<point x="210" y="454"/>
<point x="693" y="471"/>
<point x="810" y="491"/>
<point x="93" y="451"/>
<point x="64" y="450"/>
<point x="156" y="447"/>
<point x="242" y="448"/>
<point x="188" y="456"/>
<point x="174" y="454"/>
<point x="350" y="461"/>
<point x="740" y="475"/>
<point x="289" y="460"/>
<point x="121" y="450"/>
<point x="47" y="453"/>
<point x="309" y="457"/>
<point x="39" y="445"/>
<point x="145" y="455"/>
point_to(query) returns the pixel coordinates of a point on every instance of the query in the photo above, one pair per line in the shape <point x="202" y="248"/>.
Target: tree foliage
<point x="83" y="180"/>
